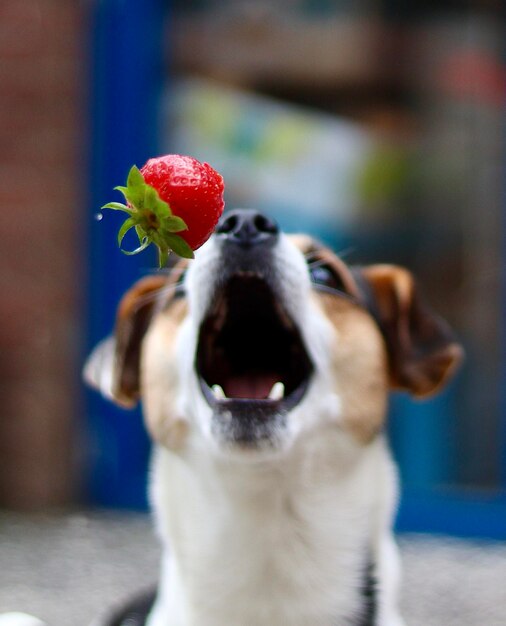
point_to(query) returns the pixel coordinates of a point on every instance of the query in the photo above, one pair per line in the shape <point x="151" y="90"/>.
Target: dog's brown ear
<point x="423" y="352"/>
<point x="113" y="367"/>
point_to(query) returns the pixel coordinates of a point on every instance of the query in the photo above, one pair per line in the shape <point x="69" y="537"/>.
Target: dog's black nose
<point x="247" y="228"/>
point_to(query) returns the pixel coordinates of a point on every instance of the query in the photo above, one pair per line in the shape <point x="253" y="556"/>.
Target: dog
<point x="264" y="368"/>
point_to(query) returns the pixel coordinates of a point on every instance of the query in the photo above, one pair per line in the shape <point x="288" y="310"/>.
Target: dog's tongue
<point x="252" y="386"/>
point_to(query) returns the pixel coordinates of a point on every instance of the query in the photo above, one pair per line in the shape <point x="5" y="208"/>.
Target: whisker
<point x="328" y="289"/>
<point x="336" y="292"/>
<point x="168" y="271"/>
<point x="317" y="263"/>
<point x="342" y="254"/>
<point x="163" y="292"/>
<point x="164" y="271"/>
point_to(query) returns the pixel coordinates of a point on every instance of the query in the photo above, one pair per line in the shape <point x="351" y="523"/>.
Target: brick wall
<point x="41" y="212"/>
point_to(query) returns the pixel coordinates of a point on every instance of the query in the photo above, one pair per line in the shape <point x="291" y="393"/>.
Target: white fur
<point x="280" y="543"/>
<point x="280" y="538"/>
<point x="98" y="371"/>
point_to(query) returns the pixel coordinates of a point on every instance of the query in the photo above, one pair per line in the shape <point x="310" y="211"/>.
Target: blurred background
<point x="375" y="125"/>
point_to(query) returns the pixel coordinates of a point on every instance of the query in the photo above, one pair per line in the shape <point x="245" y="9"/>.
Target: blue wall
<point x="126" y="78"/>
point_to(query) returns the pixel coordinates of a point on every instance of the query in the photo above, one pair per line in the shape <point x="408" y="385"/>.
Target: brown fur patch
<point x="134" y="297"/>
<point x="303" y="242"/>
<point x="359" y="362"/>
<point x="132" y="321"/>
<point x="160" y="377"/>
<point x="423" y="350"/>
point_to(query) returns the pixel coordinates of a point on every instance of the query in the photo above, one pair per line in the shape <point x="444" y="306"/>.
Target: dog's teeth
<point x="218" y="392"/>
<point x="277" y="392"/>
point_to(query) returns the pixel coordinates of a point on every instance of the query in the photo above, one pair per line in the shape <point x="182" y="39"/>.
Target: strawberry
<point x="171" y="194"/>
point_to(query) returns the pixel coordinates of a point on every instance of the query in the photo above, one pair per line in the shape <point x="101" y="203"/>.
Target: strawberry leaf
<point x="163" y="256"/>
<point x="150" y="197"/>
<point x="162" y="209"/>
<point x="141" y="233"/>
<point x="135" y="178"/>
<point x="174" y="224"/>
<point x="127" y="225"/>
<point x="153" y="202"/>
<point x="117" y="206"/>
<point x="145" y="243"/>
<point x="135" y="189"/>
<point x="132" y="196"/>
<point x="179" y="245"/>
<point x="163" y="249"/>
<point x="123" y="190"/>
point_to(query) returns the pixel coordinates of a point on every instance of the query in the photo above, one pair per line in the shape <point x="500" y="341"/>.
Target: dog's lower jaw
<point x="285" y="544"/>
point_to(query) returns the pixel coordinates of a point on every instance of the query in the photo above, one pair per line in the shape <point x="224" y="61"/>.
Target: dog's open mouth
<point x="250" y="349"/>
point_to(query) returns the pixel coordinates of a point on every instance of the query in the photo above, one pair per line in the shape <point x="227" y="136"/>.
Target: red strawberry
<point x="171" y="194"/>
<point x="193" y="190"/>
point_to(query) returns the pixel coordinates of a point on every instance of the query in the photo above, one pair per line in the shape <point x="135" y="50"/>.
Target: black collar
<point x="369" y="595"/>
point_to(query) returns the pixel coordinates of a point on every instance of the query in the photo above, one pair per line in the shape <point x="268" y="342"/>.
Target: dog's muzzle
<point x="251" y="360"/>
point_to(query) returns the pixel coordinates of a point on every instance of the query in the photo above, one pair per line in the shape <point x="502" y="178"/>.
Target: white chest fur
<point x="270" y="543"/>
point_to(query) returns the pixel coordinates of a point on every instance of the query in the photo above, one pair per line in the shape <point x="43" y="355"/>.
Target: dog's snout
<point x="247" y="228"/>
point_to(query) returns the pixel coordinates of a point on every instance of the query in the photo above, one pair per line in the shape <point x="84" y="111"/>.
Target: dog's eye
<point x="325" y="276"/>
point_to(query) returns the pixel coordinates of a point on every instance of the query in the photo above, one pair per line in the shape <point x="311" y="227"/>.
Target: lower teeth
<point x="218" y="392"/>
<point x="277" y="392"/>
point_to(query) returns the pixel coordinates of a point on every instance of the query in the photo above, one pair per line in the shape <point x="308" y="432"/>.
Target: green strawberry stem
<point x="152" y="219"/>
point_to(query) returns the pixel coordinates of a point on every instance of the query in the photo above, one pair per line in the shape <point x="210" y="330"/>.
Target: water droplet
<point x="99" y="217"/>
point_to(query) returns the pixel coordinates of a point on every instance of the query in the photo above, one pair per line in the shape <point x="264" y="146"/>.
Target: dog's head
<point x="265" y="336"/>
